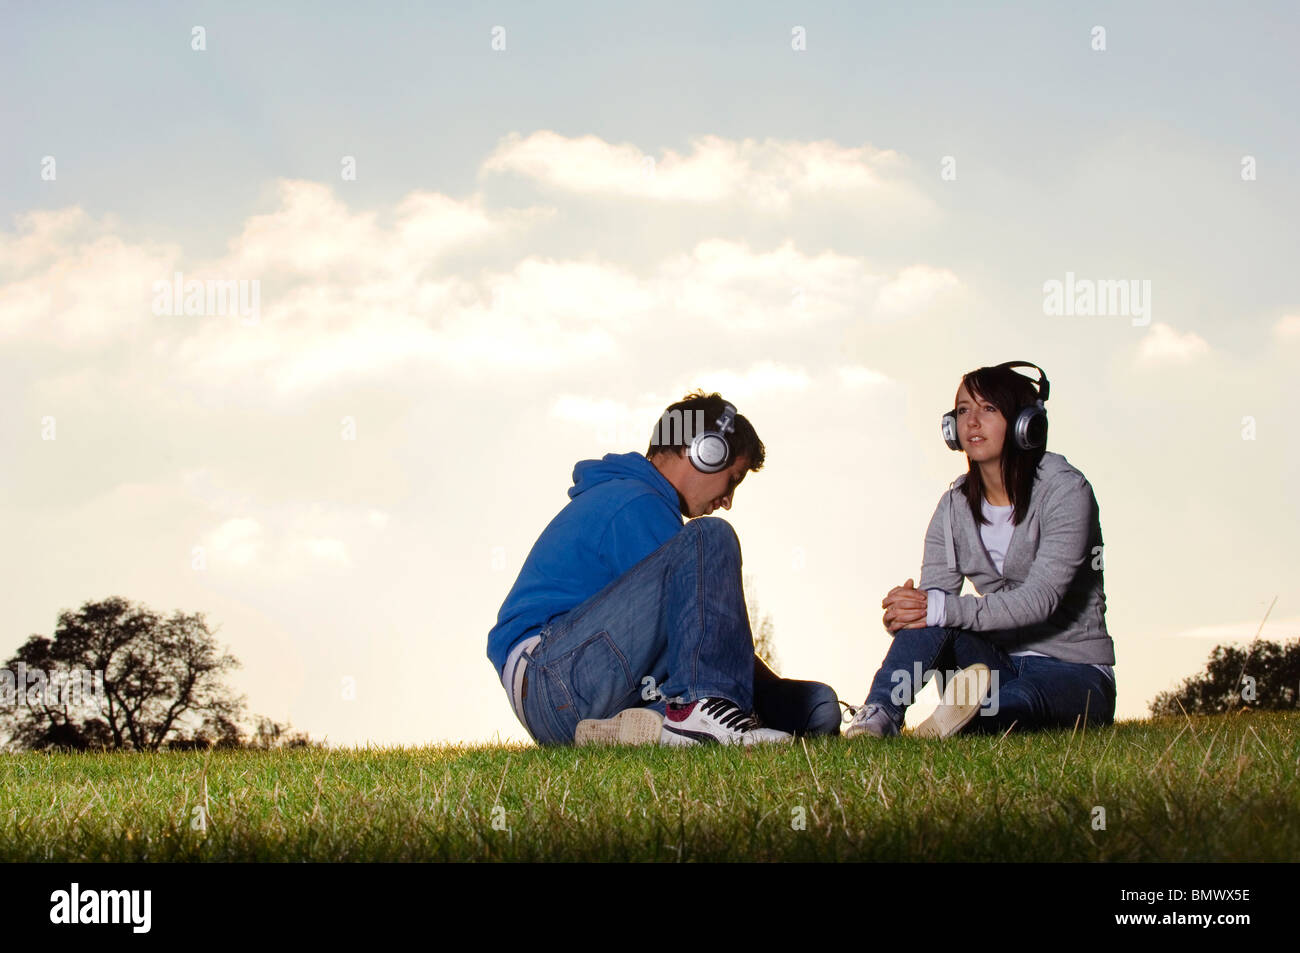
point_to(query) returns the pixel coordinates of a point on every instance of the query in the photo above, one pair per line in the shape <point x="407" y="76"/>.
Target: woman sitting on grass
<point x="1022" y="525"/>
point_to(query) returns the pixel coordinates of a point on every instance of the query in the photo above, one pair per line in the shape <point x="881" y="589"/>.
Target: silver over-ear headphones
<point x="1030" y="427"/>
<point x="710" y="452"/>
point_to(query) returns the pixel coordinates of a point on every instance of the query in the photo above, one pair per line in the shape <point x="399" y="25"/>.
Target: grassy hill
<point x="1199" y="789"/>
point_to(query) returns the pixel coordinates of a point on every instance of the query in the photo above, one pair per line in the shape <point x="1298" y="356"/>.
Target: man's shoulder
<point x="619" y="491"/>
<point x="621" y="501"/>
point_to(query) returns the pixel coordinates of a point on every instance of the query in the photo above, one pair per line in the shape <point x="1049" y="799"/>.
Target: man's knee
<point x="715" y="529"/>
<point x="824" y="714"/>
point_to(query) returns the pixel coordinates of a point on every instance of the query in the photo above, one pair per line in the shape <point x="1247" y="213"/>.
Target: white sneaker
<point x="961" y="702"/>
<point x="715" y="721"/>
<point x="871" y="720"/>
<point x="631" y="726"/>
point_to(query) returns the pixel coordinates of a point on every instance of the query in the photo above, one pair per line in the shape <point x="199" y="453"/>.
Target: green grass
<point x="1201" y="789"/>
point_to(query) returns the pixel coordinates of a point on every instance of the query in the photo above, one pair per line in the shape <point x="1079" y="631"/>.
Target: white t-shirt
<point x="996" y="537"/>
<point x="512" y="676"/>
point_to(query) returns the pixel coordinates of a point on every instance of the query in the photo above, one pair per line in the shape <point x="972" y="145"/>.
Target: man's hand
<point x="905" y="608"/>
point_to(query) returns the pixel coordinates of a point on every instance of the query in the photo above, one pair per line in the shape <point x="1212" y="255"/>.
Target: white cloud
<point x="68" y="281"/>
<point x="541" y="315"/>
<point x="313" y="232"/>
<point x="1163" y="344"/>
<point x="1288" y="327"/>
<point x="587" y="410"/>
<point x="333" y="551"/>
<point x="607" y="422"/>
<point x="769" y="175"/>
<point x="914" y="289"/>
<point x="243" y="544"/>
<point x="279" y="538"/>
<point x="1273" y="630"/>
<point x="763" y="379"/>
<point x="855" y="376"/>
<point x="43" y="236"/>
<point x="784" y="290"/>
<point x="613" y="422"/>
<point x="236" y="542"/>
<point x="353" y="296"/>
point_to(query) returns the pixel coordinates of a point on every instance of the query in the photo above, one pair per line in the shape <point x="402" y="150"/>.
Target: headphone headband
<point x="1043" y="385"/>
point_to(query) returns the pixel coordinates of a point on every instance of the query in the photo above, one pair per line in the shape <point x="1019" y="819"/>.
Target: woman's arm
<point x="937" y="571"/>
<point x="1065" y="524"/>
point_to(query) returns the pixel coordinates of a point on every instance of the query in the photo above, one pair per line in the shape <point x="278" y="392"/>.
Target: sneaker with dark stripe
<point x="715" y="721"/>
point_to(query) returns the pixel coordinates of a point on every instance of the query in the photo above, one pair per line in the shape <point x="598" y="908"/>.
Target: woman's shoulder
<point x="951" y="494"/>
<point x="1054" y="468"/>
<point x="1057" y="479"/>
<point x="954" y="490"/>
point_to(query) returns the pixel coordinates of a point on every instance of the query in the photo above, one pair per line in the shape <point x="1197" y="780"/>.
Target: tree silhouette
<point x="762" y="628"/>
<point x="1263" y="675"/>
<point x="271" y="734"/>
<point x="161" y="683"/>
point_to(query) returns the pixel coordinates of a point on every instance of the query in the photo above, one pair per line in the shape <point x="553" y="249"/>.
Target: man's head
<point x="700" y="493"/>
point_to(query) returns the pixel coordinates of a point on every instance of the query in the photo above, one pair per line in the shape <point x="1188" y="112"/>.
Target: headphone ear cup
<point x="1031" y="428"/>
<point x="1038" y="429"/>
<point x="709" y="452"/>
<point x="948" y="427"/>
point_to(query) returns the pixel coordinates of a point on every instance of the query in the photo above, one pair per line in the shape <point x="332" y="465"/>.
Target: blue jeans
<point x="1029" y="691"/>
<point x="674" y="624"/>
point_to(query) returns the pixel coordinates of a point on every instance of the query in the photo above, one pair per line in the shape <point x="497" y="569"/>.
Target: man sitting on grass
<point x="625" y="625"/>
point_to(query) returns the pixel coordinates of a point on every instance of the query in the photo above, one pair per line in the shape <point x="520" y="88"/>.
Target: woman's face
<point x="981" y="428"/>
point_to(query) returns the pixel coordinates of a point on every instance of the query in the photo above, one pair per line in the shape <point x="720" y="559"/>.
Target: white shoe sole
<point x="756" y="736"/>
<point x="631" y="726"/>
<point x="767" y="736"/>
<point x="961" y="702"/>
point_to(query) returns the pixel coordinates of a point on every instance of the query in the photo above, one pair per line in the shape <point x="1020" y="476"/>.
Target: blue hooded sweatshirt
<point x="620" y="510"/>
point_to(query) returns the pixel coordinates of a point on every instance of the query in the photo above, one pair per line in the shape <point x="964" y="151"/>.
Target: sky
<point x="476" y="245"/>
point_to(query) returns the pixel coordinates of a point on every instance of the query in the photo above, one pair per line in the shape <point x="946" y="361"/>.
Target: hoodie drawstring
<point x="949" y="549"/>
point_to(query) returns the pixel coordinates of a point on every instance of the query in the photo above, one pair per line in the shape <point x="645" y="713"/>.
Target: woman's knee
<point x="921" y="643"/>
<point x="1027" y="706"/>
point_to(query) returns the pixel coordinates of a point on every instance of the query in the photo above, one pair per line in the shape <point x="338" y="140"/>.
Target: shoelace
<point x="853" y="711"/>
<point x="730" y="715"/>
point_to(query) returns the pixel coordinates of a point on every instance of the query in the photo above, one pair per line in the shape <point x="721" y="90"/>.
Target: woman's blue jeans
<point x="674" y="627"/>
<point x="1029" y="691"/>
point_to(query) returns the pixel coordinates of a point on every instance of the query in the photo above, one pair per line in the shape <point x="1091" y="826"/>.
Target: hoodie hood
<point x="621" y="466"/>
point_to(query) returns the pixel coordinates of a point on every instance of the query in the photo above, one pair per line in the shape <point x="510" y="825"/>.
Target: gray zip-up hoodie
<point x="1048" y="597"/>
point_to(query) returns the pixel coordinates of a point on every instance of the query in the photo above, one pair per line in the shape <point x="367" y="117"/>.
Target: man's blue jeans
<point x="1029" y="691"/>
<point x="675" y="624"/>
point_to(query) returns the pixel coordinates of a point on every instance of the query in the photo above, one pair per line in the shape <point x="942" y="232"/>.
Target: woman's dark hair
<point x="1010" y="393"/>
<point x="699" y="411"/>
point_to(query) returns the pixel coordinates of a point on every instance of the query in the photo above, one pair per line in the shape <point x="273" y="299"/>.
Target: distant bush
<point x="1262" y="675"/>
